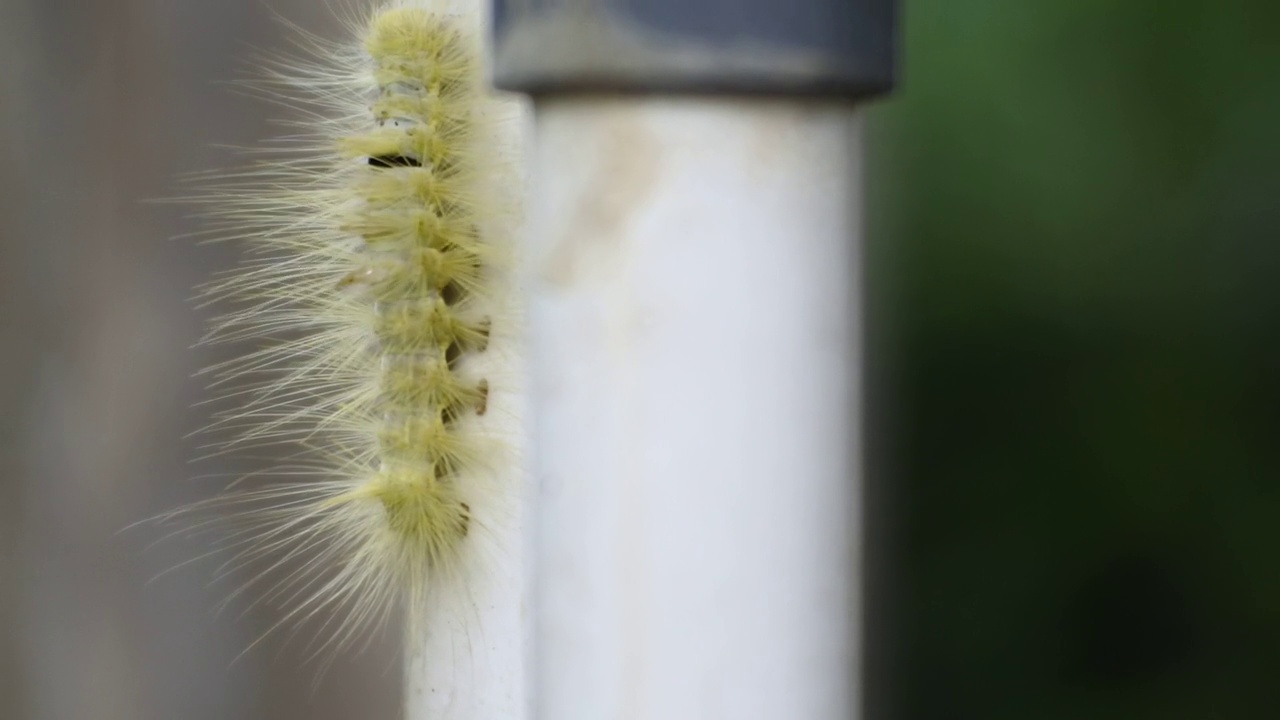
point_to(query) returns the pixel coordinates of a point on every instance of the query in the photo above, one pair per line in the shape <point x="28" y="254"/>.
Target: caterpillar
<point x="377" y="300"/>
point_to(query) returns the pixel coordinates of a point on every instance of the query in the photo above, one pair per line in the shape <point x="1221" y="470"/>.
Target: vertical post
<point x="693" y="283"/>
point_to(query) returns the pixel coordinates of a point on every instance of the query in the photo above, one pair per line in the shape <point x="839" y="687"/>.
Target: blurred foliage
<point x="1076" y="275"/>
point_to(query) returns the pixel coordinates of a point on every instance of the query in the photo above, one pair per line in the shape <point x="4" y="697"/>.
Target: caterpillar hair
<point x="375" y="306"/>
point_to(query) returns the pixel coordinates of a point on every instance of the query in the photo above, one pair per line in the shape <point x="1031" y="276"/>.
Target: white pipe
<point x="471" y="661"/>
<point x="694" y="320"/>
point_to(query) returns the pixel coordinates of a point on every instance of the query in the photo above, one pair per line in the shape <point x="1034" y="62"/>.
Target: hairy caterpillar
<point x="377" y="296"/>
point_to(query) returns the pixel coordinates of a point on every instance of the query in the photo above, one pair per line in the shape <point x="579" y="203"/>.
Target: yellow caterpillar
<point x="377" y="299"/>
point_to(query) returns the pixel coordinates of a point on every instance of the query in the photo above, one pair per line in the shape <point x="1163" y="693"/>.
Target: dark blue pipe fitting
<point x="771" y="47"/>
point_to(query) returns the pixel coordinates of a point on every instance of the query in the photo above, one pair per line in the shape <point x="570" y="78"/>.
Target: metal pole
<point x="693" y="283"/>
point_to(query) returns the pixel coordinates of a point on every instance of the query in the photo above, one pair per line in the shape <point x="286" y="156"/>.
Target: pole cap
<point x="771" y="47"/>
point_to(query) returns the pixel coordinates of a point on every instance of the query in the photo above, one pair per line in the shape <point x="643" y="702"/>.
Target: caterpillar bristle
<point x="376" y="299"/>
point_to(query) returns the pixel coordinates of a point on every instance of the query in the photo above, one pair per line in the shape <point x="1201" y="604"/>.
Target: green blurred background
<point x="1075" y="293"/>
<point x="1074" y="301"/>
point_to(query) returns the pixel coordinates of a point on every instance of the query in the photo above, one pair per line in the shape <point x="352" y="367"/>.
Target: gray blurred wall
<point x="103" y="103"/>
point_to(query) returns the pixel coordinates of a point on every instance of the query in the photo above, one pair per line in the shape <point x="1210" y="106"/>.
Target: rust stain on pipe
<point x="624" y="166"/>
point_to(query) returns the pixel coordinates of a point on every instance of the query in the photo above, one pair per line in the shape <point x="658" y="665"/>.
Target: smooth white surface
<point x="694" y="324"/>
